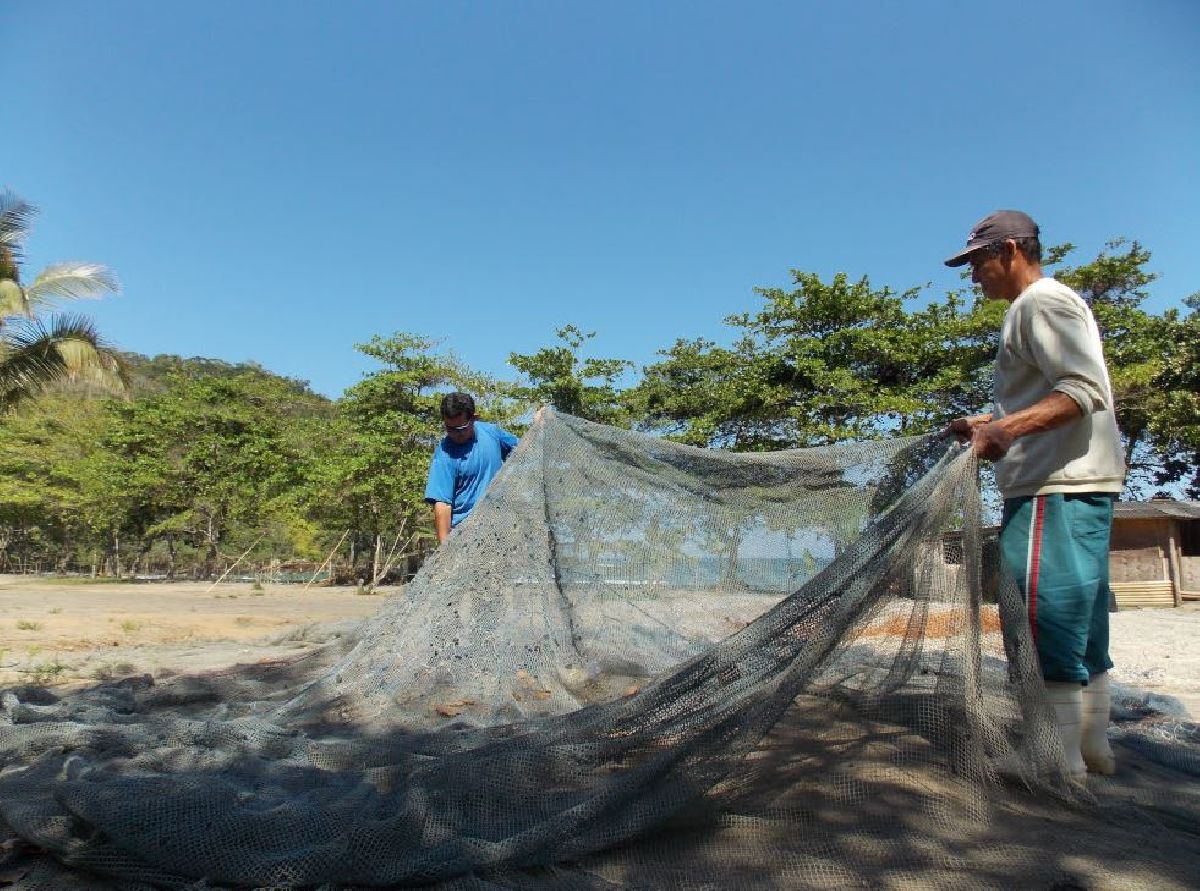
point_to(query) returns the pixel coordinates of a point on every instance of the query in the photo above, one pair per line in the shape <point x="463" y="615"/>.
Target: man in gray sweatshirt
<point x="1059" y="465"/>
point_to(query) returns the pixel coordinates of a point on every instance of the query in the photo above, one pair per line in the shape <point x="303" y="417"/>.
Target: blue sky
<point x="277" y="181"/>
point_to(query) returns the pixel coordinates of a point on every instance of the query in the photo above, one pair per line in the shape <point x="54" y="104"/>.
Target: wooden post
<point x="235" y="563"/>
<point x="1173" y="560"/>
<point x="329" y="558"/>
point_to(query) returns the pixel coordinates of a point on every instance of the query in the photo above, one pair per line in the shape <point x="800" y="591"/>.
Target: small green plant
<point x="26" y="625"/>
<point x="257" y="587"/>
<point x="47" y="672"/>
<point x="56" y="611"/>
<point x="129" y="626"/>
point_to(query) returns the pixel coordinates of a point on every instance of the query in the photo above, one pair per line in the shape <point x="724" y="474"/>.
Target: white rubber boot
<point x="1097" y="703"/>
<point x="1067" y="702"/>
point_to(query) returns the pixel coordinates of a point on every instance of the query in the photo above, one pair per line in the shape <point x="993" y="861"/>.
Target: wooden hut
<point x="1155" y="553"/>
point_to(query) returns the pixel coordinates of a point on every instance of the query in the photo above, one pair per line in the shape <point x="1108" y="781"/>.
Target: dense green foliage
<point x="203" y="466"/>
<point x="561" y="377"/>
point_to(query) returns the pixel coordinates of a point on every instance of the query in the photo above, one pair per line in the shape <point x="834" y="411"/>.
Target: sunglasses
<point x="460" y="428"/>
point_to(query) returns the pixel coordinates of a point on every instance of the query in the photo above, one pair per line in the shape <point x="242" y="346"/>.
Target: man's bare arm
<point x="441" y="520"/>
<point x="993" y="439"/>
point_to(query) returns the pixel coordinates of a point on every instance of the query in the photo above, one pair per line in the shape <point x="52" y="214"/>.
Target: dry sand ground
<point x="71" y="633"/>
<point x="1157" y="651"/>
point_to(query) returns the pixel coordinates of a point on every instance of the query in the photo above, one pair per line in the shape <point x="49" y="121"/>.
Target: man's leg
<point x="1094" y="519"/>
<point x="1057" y="576"/>
<point x="1060" y="582"/>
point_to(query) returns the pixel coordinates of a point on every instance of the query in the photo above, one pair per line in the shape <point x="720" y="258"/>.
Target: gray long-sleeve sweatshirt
<point x="1050" y="342"/>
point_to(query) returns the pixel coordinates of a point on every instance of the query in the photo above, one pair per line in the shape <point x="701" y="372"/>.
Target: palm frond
<point x="12" y="298"/>
<point x="16" y="216"/>
<point x="35" y="355"/>
<point x="72" y="281"/>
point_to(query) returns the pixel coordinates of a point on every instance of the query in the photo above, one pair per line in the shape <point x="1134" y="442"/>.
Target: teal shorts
<point x="1056" y="547"/>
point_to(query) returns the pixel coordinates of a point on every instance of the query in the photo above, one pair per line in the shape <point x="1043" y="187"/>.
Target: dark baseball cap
<point x="998" y="226"/>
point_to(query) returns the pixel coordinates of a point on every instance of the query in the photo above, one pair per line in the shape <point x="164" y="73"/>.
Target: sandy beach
<point x="70" y="633"/>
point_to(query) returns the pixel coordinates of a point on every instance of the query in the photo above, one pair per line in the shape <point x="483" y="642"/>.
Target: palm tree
<point x="36" y="352"/>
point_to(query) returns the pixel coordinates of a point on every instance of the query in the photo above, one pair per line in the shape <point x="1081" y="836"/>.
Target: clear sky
<point x="277" y="181"/>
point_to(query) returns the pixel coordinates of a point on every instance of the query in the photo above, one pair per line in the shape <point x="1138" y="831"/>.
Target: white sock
<point x="1067" y="701"/>
<point x="1097" y="703"/>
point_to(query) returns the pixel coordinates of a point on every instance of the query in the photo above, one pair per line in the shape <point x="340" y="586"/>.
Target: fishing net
<point x="636" y="665"/>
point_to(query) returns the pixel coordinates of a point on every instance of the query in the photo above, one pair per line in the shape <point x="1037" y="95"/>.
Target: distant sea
<point x="758" y="573"/>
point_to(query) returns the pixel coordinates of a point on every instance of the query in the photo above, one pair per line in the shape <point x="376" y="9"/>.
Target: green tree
<point x="821" y="363"/>
<point x="47" y="513"/>
<point x="205" y="464"/>
<point x="560" y="376"/>
<point x="37" y="352"/>
<point x="711" y="396"/>
<point x="1175" y="424"/>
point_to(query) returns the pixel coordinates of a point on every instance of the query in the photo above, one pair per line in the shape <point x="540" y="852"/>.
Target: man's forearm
<point x="1049" y="412"/>
<point x="993" y="439"/>
<point x="441" y="520"/>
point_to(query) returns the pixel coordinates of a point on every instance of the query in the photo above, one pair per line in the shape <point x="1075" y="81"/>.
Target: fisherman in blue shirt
<point x="464" y="462"/>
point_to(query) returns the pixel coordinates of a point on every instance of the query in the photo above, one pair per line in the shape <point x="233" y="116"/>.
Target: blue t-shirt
<point x="459" y="474"/>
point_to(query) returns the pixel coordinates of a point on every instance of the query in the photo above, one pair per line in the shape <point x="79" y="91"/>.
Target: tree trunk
<point x="375" y="560"/>
<point x="1131" y="442"/>
<point x="210" y="554"/>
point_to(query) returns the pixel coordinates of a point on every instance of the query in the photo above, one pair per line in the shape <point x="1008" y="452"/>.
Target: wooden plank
<point x="1159" y="593"/>
<point x="1163" y="587"/>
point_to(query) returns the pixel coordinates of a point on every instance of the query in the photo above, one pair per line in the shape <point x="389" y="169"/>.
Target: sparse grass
<point x="56" y="611"/>
<point x="129" y="626"/>
<point x="243" y="621"/>
<point x="47" y="672"/>
<point x="26" y="625"/>
<point x="257" y="587"/>
<point x="106" y="671"/>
